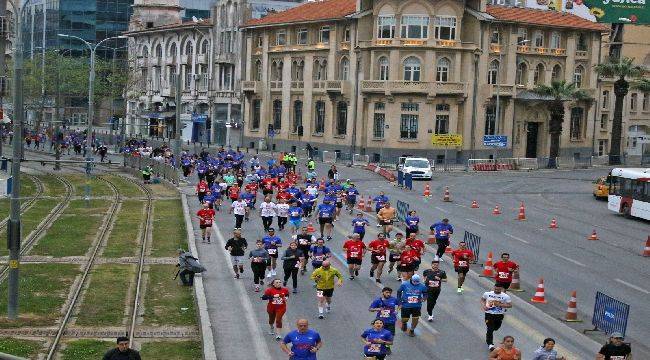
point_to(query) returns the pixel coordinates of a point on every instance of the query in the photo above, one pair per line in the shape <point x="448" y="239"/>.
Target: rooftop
<point x="543" y="18"/>
<point x="185" y="24"/>
<point x="308" y="12"/>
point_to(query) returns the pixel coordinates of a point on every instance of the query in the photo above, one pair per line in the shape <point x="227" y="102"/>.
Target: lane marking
<point x="461" y="205"/>
<point x="476" y="222"/>
<point x="569" y="259"/>
<point x="516" y="238"/>
<point x="633" y="286"/>
<point x="442" y="210"/>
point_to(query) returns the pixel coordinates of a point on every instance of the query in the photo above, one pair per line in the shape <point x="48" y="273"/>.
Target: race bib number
<point x="503" y="275"/>
<point x="272" y="251"/>
<point x="434" y="283"/>
<point x="381" y="258"/>
<point x="257" y="259"/>
<point x="277" y="301"/>
<point x="413" y="299"/>
<point x="354" y="254"/>
<point x="385" y="313"/>
<point x="374" y="348"/>
<point x="617" y="357"/>
<point x="294" y="213"/>
<point x="319" y="293"/>
<point x="304" y="242"/>
<point x="462" y="263"/>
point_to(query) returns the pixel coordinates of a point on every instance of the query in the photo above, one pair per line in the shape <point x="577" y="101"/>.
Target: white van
<point x="419" y="168"/>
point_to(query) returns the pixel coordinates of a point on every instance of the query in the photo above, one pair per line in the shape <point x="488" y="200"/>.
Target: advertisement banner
<point x="602" y="11"/>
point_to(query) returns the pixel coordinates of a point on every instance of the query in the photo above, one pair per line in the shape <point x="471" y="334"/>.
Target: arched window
<point x="204" y="47"/>
<point x="383" y="68"/>
<point x="412" y="69"/>
<point x="493" y="72"/>
<point x="277" y="114"/>
<point x="344" y="69"/>
<point x="172" y="51"/>
<point x="442" y="70"/>
<point x="556" y="74"/>
<point x="145" y="53"/>
<point x="297" y="115"/>
<point x="159" y="51"/>
<point x="581" y="44"/>
<point x="319" y="119"/>
<point x="258" y="70"/>
<point x="577" y="76"/>
<point x="341" y="118"/>
<point x="278" y="70"/>
<point x="188" y="49"/>
<point x="522" y="74"/>
<point x="538" y="76"/>
<point x="297" y="67"/>
<point x="555" y="40"/>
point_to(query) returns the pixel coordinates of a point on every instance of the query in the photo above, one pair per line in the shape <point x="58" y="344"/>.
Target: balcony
<point x="495" y="48"/>
<point x="337" y="86"/>
<point x="413" y="87"/>
<point x="249" y="86"/>
<point x="202" y="59"/>
<point x="276" y="86"/>
<point x="227" y="57"/>
<point x="558" y="52"/>
<point x="502" y="90"/>
<point x="318" y="86"/>
<point x="383" y="42"/>
<point x="523" y="48"/>
<point x="541" y="50"/>
<point x="581" y="54"/>
<point x="446" y="43"/>
<point x="297" y="85"/>
<point x="413" y="42"/>
<point x="277" y="48"/>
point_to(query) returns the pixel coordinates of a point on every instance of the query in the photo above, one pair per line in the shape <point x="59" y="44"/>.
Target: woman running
<point x="277" y="306"/>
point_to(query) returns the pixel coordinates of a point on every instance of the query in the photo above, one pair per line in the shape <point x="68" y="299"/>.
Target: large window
<point x="575" y="128"/>
<point x="442" y="124"/>
<point x="301" y="37"/>
<point x="490" y="120"/>
<point x="538" y="75"/>
<point x="277" y="114"/>
<point x="297" y="115"/>
<point x="257" y="114"/>
<point x="602" y="147"/>
<point x="341" y="118"/>
<point x="556" y="41"/>
<point x="633" y="101"/>
<point x="645" y="106"/>
<point x="556" y="74"/>
<point x="383" y="68"/>
<point x="281" y="38"/>
<point x="320" y="69"/>
<point x="344" y="69"/>
<point x="379" y="121"/>
<point x="258" y="70"/>
<point x="324" y="35"/>
<point x="577" y="76"/>
<point x="522" y="74"/>
<point x="493" y="72"/>
<point x="522" y="35"/>
<point x="412" y="69"/>
<point x="415" y="27"/>
<point x="319" y="123"/>
<point x="408" y="126"/>
<point x="605" y="103"/>
<point x="386" y="26"/>
<point x="442" y="70"/>
<point x="604" y="119"/>
<point x="581" y="44"/>
<point x="538" y="39"/>
<point x="445" y="27"/>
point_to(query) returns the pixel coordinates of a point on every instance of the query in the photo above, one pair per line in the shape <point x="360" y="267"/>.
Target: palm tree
<point x="622" y="70"/>
<point x="642" y="84"/>
<point x="558" y="92"/>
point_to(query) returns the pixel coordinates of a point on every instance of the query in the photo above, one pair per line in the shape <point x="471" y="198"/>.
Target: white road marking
<point x="516" y="238"/>
<point x="442" y="210"/>
<point x="476" y="222"/>
<point x="633" y="286"/>
<point x="460" y="205"/>
<point x="569" y="259"/>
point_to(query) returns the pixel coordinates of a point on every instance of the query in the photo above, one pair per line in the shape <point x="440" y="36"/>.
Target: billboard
<point x="602" y="11"/>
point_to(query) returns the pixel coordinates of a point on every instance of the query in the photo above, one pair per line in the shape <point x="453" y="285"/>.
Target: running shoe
<point x="430" y="318"/>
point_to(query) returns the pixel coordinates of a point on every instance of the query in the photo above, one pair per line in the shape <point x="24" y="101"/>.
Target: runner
<point x="325" y="217"/>
<point x="494" y="304"/>
<point x="249" y="198"/>
<point x="376" y="340"/>
<point x="412" y="222"/>
<point x="305" y="342"/>
<point x="282" y="211"/>
<point x="267" y="212"/>
<point x="291" y="263"/>
<point x="462" y="257"/>
<point x="380" y="200"/>
<point x="324" y="279"/>
<point x="351" y="197"/>
<point x="201" y="189"/>
<point x="442" y="230"/>
<point x="547" y="351"/>
<point x="355" y="249"/>
<point x="417" y="245"/>
<point x="377" y="249"/>
<point x="507" y="350"/>
<point x="206" y="218"/>
<point x="237" y="245"/>
<point x="385" y="217"/>
<point x="407" y="260"/>
<point x="433" y="279"/>
<point x="386" y="308"/>
<point x="259" y="257"/>
<point x="504" y="270"/>
<point x="410" y="296"/>
<point x="238" y="207"/>
<point x="295" y="216"/>
<point x="359" y="224"/>
<point x="616" y="349"/>
<point x="319" y="253"/>
<point x="396" y="248"/>
<point x="271" y="244"/>
<point x="304" y="241"/>
<point x="277" y="296"/>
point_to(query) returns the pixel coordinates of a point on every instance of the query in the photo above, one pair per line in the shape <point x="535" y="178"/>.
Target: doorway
<point x="532" y="134"/>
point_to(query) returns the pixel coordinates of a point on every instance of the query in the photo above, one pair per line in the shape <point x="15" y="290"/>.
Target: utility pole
<point x="176" y="148"/>
<point x="4" y="24"/>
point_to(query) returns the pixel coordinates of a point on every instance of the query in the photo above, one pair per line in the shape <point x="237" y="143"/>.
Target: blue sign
<point x="199" y="118"/>
<point x="500" y="141"/>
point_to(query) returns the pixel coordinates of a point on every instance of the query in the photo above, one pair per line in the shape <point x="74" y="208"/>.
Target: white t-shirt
<point x="490" y="298"/>
<point x="312" y="190"/>
<point x="267" y="209"/>
<point x="282" y="210"/>
<point x="239" y="207"/>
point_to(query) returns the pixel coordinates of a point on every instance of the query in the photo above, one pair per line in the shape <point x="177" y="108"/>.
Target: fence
<point x="360" y="160"/>
<point x="160" y="169"/>
<point x="329" y="157"/>
<point x="473" y="243"/>
<point x="402" y="210"/>
<point x="610" y="315"/>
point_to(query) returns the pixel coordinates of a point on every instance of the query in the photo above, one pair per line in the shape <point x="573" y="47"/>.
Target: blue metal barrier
<point x="400" y="178"/>
<point x="473" y="243"/>
<point x="402" y="210"/>
<point x="408" y="181"/>
<point x="610" y="315"/>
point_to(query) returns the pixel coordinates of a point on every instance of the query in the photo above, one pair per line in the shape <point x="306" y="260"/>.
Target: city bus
<point x="629" y="192"/>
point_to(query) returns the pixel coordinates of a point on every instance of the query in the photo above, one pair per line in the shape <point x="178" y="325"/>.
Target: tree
<point x="558" y="92"/>
<point x="642" y="84"/>
<point x="623" y="70"/>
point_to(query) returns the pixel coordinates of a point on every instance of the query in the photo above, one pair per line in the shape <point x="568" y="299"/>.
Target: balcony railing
<point x="503" y="90"/>
<point x="413" y="42"/>
<point x="495" y="48"/>
<point x="523" y="48"/>
<point x="383" y="42"/>
<point x="249" y="86"/>
<point x="276" y="85"/>
<point x="541" y="50"/>
<point x="558" y="52"/>
<point x="581" y="54"/>
<point x="446" y="43"/>
<point x="422" y="87"/>
<point x="297" y="85"/>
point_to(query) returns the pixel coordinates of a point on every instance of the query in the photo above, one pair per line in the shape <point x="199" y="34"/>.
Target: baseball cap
<point x="415" y="279"/>
<point x="617" y="335"/>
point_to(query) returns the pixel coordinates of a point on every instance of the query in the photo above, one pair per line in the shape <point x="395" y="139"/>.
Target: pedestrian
<point x="410" y="296"/>
<point x="122" y="351"/>
<point x="324" y="279"/>
<point x="304" y="341"/>
<point x="433" y="279"/>
<point x="259" y="257"/>
<point x="376" y="340"/>
<point x="385" y="218"/>
<point x="236" y="245"/>
<point x="291" y="262"/>
<point x="615" y="349"/>
<point x="547" y="351"/>
<point x="504" y="270"/>
<point x="238" y="207"/>
<point x="206" y="217"/>
<point x="462" y="257"/>
<point x="507" y="350"/>
<point x="386" y="308"/>
<point x="271" y="244"/>
<point x="442" y="230"/>
<point x="494" y="304"/>
<point x="267" y="212"/>
<point x="146" y="174"/>
<point x="277" y="296"/>
<point x="188" y="266"/>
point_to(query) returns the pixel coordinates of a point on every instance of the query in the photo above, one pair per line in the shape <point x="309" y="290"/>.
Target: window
<point x="410" y="106"/>
<point x="301" y="37"/>
<point x="277" y="114"/>
<point x="538" y="40"/>
<point x="633" y="101"/>
<point x="493" y="72"/>
<point x="319" y="126"/>
<point x="490" y="120"/>
<point x="258" y="70"/>
<point x="556" y="41"/>
<point x="442" y="70"/>
<point x="575" y="128"/>
<point x="442" y="107"/>
<point x="442" y="124"/>
<point x="577" y="76"/>
<point x="344" y="69"/>
<point x="522" y="35"/>
<point x="297" y="115"/>
<point x="159" y="51"/>
<point x="346" y="34"/>
<point x="383" y="68"/>
<point x="379" y="122"/>
<point x="495" y="38"/>
<point x="605" y="99"/>
<point x="582" y="43"/>
<point x="257" y="114"/>
<point x="297" y="69"/>
<point x="445" y="27"/>
<point x="341" y="118"/>
<point x="412" y="69"/>
<point x="260" y="41"/>
<point x="320" y="69"/>
<point x="646" y="102"/>
<point x="415" y="27"/>
<point x="408" y="126"/>
<point x="602" y="147"/>
<point x="522" y="74"/>
<point x="324" y="35"/>
<point x="556" y="74"/>
<point x="604" y="118"/>
<point x="281" y="38"/>
<point x="386" y="27"/>
<point x="538" y="75"/>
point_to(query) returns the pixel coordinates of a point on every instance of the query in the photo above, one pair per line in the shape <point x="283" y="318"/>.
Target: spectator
<point x="122" y="351"/>
<point x="615" y="349"/>
<point x="546" y="351"/>
<point x="188" y="266"/>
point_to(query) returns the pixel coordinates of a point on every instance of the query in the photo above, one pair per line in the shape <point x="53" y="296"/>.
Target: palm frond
<point x="642" y="85"/>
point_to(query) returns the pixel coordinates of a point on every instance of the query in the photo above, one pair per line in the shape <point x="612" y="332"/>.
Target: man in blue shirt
<point x="307" y="204"/>
<point x="319" y="253"/>
<point x="379" y="201"/>
<point x="325" y="218"/>
<point x="410" y="296"/>
<point x="271" y="244"/>
<point x="304" y="341"/>
<point x="351" y="196"/>
<point x="295" y="215"/>
<point x="442" y="230"/>
<point x="359" y="224"/>
<point x="385" y="307"/>
<point x="412" y="222"/>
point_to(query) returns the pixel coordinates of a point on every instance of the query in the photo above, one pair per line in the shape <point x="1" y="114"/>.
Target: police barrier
<point x="610" y="315"/>
<point x="402" y="210"/>
<point x="408" y="181"/>
<point x="473" y="243"/>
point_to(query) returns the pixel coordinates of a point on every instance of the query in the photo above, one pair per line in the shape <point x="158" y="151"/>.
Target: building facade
<point x="382" y="77"/>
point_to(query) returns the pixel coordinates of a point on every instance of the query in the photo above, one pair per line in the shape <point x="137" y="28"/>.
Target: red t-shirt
<point x="354" y="249"/>
<point x="378" y="247"/>
<point x="417" y="245"/>
<point x="462" y="257"/>
<point x="233" y="192"/>
<point x="268" y="183"/>
<point x="292" y="177"/>
<point x="283" y="195"/>
<point x="503" y="270"/>
<point x="252" y="187"/>
<point x="282" y="185"/>
<point x="202" y="186"/>
<point x="279" y="301"/>
<point x="408" y="257"/>
<point x="206" y="216"/>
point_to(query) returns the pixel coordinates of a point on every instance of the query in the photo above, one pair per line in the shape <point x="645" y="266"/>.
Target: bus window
<point x="626" y="186"/>
<point x="639" y="189"/>
<point x="614" y="185"/>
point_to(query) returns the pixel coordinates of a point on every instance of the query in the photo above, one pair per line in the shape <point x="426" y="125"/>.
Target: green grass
<point x="126" y="188"/>
<point x="86" y="349"/>
<point x="73" y="232"/>
<point x="20" y="347"/>
<point x="168" y="228"/>
<point x="27" y="191"/>
<point x="163" y="190"/>
<point x="51" y="185"/>
<point x="104" y="301"/>
<point x="97" y="187"/>
<point x="123" y="239"/>
<point x="30" y="219"/>
<point x="172" y="350"/>
<point x="165" y="299"/>
<point x="43" y="290"/>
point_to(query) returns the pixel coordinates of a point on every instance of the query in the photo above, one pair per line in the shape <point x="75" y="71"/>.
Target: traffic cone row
<point x="474" y="204"/>
<point x="446" y="197"/>
<point x="427" y="191"/>
<point x="646" y="250"/>
<point x="572" y="309"/>
<point x="488" y="270"/>
<point x="522" y="212"/>
<point x="539" y="296"/>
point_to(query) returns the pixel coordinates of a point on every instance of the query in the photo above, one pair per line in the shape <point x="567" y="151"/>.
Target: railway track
<point x="26" y="205"/>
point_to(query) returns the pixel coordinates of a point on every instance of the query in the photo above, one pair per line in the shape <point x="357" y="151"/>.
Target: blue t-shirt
<point x="359" y="225"/>
<point x="351" y="194"/>
<point x="410" y="295"/>
<point x="379" y="201"/>
<point x="318" y="254"/>
<point x="387" y="313"/>
<point x="412" y="222"/>
<point x="375" y="348"/>
<point x="301" y="344"/>
<point x="331" y="197"/>
<point x="295" y="213"/>
<point x="271" y="242"/>
<point x="295" y="192"/>
<point x="325" y="210"/>
<point x="442" y="230"/>
<point x="248" y="197"/>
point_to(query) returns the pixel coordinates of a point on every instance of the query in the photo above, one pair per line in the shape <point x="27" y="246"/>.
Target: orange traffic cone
<point x="553" y="224"/>
<point x="447" y="196"/>
<point x="362" y="203"/>
<point x="496" y="210"/>
<point x="522" y="212"/>
<point x="368" y="204"/>
<point x="310" y="228"/>
<point x="474" y="204"/>
<point x="593" y="235"/>
<point x="646" y="250"/>
<point x="515" y="285"/>
<point x="431" y="239"/>
<point x="427" y="191"/>
<point x="488" y="271"/>
<point x="572" y="309"/>
<point x="539" y="293"/>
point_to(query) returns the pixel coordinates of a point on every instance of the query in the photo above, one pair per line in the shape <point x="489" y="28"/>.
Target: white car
<point x="419" y="168"/>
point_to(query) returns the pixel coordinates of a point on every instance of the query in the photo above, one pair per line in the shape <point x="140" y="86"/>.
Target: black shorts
<point x="505" y="285"/>
<point x="406" y="268"/>
<point x="416" y="265"/>
<point x="393" y="258"/>
<point x="390" y="327"/>
<point x="386" y="222"/>
<point x="305" y="250"/>
<point x="324" y="221"/>
<point x="461" y="270"/>
<point x="354" y="261"/>
<point x="203" y="226"/>
<point x="352" y="201"/>
<point x="376" y="259"/>
<point x="275" y="256"/>
<point x="411" y="312"/>
<point x="327" y="292"/>
<point x="339" y="205"/>
<point x="267" y="191"/>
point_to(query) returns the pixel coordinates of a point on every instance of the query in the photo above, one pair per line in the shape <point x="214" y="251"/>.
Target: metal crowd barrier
<point x="473" y="243"/>
<point x="610" y="315"/>
<point x="329" y="157"/>
<point x="159" y="169"/>
<point x="360" y="160"/>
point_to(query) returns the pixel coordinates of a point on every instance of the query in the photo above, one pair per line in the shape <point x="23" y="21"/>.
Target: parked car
<point x="419" y="168"/>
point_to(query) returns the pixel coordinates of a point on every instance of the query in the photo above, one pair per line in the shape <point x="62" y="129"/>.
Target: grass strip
<point x="73" y="232"/>
<point x="51" y="185"/>
<point x="126" y="188"/>
<point x="43" y="290"/>
<point x="86" y="349"/>
<point x="123" y="239"/>
<point x="20" y="347"/>
<point x="166" y="301"/>
<point x="172" y="350"/>
<point x="105" y="299"/>
<point x="163" y="190"/>
<point x="168" y="228"/>
<point x="97" y="187"/>
<point x="30" y="219"/>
